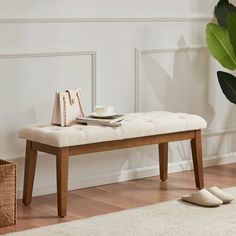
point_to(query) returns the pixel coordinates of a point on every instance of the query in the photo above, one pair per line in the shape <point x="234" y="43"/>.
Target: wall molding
<point x="139" y="52"/>
<point x="187" y="18"/>
<point x="130" y="174"/>
<point x="218" y="132"/>
<point x="92" y="54"/>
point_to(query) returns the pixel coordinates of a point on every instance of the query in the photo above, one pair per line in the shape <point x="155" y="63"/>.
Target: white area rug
<point x="169" y="218"/>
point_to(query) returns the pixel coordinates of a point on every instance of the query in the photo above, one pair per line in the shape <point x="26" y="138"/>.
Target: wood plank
<point x="29" y="172"/>
<point x="102" y="195"/>
<point x="128" y="143"/>
<point x="44" y="148"/>
<point x="163" y="160"/>
<point x="196" y="146"/>
<point x="62" y="181"/>
<point x="117" y="144"/>
<point x="43" y="210"/>
<point x="63" y="153"/>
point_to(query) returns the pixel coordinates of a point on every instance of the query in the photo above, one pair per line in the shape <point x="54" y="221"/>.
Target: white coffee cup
<point x="104" y="110"/>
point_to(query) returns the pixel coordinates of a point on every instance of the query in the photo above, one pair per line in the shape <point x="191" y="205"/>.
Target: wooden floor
<point x="116" y="197"/>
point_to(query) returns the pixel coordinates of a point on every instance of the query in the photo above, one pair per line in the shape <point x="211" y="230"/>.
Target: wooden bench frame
<point x="63" y="153"/>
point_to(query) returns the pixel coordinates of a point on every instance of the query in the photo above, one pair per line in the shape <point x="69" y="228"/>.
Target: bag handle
<point x="72" y="96"/>
<point x="80" y="104"/>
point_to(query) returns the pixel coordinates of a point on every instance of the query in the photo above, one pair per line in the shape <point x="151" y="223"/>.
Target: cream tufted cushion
<point x="135" y="125"/>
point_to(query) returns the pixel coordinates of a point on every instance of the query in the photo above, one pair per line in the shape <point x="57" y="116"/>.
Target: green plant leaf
<point x="219" y="44"/>
<point x="231" y="26"/>
<point x="221" y="12"/>
<point x="223" y="2"/>
<point x="222" y="9"/>
<point x="228" y="85"/>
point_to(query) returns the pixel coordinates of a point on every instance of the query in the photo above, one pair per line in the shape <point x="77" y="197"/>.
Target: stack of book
<point x="112" y="121"/>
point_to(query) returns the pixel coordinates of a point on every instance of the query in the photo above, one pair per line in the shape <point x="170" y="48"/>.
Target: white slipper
<point x="225" y="197"/>
<point x="203" y="198"/>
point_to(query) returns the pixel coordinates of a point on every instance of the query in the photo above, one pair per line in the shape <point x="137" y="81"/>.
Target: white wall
<point x="123" y="53"/>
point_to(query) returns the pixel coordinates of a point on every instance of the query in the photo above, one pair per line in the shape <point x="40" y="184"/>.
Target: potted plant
<point x="221" y="41"/>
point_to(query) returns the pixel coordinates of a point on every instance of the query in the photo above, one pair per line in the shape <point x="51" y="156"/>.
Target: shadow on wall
<point x="189" y="85"/>
<point x="184" y="87"/>
<point x="225" y="113"/>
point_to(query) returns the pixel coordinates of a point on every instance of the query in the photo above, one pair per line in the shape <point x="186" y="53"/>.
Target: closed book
<point x="108" y="121"/>
<point x="116" y="124"/>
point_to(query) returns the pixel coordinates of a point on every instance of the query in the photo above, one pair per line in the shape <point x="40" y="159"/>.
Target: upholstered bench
<point x="138" y="129"/>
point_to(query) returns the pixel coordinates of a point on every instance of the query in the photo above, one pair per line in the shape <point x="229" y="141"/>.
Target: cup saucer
<point x="95" y="115"/>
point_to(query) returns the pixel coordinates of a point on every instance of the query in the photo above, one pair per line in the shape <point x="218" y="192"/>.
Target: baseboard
<point x="132" y="174"/>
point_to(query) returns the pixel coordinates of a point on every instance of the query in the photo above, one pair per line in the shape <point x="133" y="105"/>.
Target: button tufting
<point x="135" y="125"/>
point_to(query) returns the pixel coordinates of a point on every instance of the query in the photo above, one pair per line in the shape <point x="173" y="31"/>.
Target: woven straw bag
<point x="7" y="193"/>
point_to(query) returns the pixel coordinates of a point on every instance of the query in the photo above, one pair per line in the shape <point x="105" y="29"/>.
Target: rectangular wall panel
<point x="28" y="86"/>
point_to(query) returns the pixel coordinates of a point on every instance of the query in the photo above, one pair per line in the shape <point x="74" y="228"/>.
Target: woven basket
<point x="7" y="193"/>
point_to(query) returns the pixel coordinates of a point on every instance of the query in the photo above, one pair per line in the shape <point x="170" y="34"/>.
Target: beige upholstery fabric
<point x="135" y="125"/>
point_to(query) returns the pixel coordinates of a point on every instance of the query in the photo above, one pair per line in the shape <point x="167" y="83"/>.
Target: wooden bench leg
<point x="62" y="181"/>
<point x="196" y="146"/>
<point x="30" y="164"/>
<point x="163" y="160"/>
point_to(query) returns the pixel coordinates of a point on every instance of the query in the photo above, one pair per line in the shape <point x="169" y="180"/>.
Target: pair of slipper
<point x="211" y="197"/>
